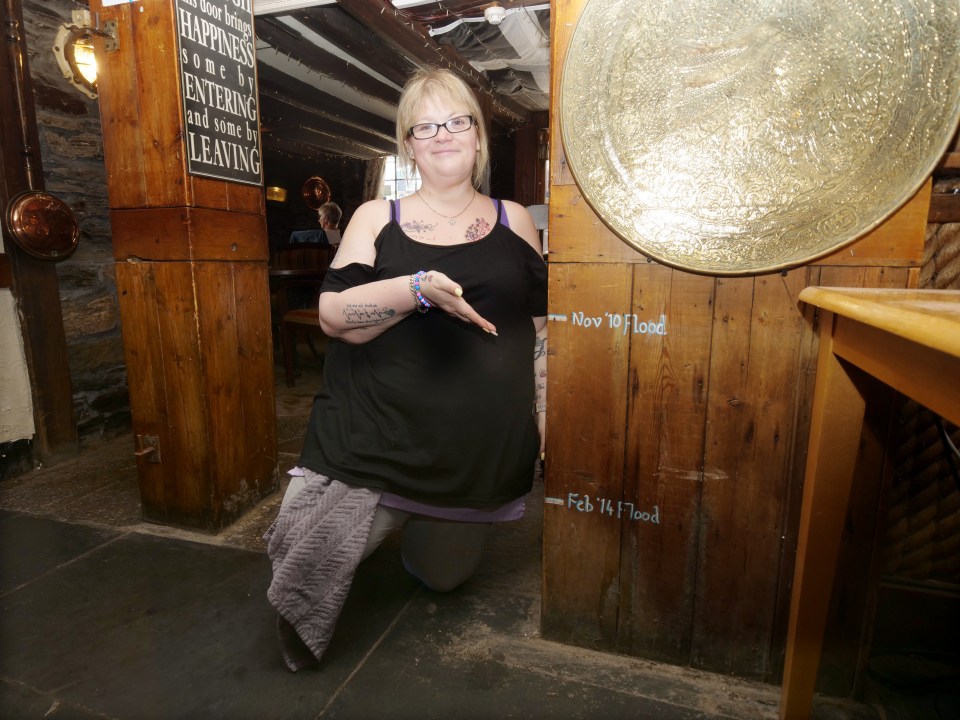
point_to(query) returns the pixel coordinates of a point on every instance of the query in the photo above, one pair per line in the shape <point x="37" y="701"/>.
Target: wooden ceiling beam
<point x="279" y="35"/>
<point x="304" y="143"/>
<point x="277" y="84"/>
<point x="414" y="41"/>
<point x="277" y="114"/>
<point x="341" y="29"/>
<point x="463" y="8"/>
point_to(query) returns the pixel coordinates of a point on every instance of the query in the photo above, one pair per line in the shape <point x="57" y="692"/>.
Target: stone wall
<point x="73" y="170"/>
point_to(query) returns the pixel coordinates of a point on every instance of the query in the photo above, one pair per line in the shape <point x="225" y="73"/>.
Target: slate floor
<point x="104" y="616"/>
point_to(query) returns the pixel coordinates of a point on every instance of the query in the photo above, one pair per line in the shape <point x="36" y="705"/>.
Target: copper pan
<point x="42" y="225"/>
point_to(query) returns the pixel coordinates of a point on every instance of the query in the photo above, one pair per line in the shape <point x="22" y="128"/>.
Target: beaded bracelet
<point x="422" y="303"/>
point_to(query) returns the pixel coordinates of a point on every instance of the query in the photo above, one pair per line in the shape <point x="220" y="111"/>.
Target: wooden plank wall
<point x="677" y="422"/>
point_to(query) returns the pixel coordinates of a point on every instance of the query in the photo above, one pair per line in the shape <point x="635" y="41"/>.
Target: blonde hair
<point x="442" y="85"/>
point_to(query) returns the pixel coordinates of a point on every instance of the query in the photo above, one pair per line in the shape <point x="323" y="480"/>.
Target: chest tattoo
<point x="427" y="232"/>
<point x="421" y="230"/>
<point x="477" y="230"/>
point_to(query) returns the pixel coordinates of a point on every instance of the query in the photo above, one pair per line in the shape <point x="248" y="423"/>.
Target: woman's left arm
<point x="522" y="224"/>
<point x="540" y="379"/>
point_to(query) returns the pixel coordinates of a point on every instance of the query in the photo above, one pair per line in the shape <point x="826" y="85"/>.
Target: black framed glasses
<point x="425" y="131"/>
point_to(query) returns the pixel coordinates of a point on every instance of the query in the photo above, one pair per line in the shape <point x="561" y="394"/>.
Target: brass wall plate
<point x="42" y="225"/>
<point x="736" y="137"/>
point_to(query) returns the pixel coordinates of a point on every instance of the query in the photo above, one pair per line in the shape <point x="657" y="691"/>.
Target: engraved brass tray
<point x="736" y="137"/>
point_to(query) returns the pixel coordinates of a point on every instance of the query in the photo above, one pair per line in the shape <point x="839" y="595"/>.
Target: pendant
<point x="451" y="222"/>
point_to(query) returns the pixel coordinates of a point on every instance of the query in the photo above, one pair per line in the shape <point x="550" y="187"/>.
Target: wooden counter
<point x="908" y="340"/>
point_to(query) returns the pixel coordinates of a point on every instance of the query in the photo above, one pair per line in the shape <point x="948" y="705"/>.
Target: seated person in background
<point x="328" y="215"/>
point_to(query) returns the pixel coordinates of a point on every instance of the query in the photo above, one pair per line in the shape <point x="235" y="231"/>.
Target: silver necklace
<point x="451" y="219"/>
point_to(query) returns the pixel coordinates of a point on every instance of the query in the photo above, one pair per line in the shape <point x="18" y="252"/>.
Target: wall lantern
<point x="276" y="194"/>
<point x="73" y="49"/>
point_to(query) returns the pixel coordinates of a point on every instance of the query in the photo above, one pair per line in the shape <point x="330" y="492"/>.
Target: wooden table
<point x="907" y="339"/>
<point x="287" y="278"/>
<point x="308" y="274"/>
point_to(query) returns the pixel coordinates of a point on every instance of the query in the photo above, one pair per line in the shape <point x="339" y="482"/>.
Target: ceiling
<point x="330" y="73"/>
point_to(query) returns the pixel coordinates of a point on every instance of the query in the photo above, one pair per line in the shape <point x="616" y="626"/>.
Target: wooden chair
<point x="295" y="321"/>
<point x="296" y="274"/>
<point x="302" y="256"/>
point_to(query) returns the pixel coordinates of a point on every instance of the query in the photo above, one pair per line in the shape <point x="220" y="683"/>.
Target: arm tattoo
<point x="540" y="393"/>
<point x="371" y="314"/>
<point x="539" y="348"/>
<point x="540" y="374"/>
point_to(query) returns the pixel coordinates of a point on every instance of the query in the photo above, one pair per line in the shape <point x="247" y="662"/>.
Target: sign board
<point x="218" y="89"/>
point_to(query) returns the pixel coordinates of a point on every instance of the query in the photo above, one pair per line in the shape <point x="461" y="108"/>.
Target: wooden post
<point x="191" y="254"/>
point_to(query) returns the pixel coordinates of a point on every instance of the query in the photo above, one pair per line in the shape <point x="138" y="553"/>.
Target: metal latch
<point x="148" y="446"/>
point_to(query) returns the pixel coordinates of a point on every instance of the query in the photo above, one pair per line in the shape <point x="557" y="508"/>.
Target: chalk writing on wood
<point x="618" y="509"/>
<point x="626" y="323"/>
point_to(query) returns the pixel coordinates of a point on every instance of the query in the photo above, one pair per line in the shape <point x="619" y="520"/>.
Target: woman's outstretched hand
<point x="446" y="295"/>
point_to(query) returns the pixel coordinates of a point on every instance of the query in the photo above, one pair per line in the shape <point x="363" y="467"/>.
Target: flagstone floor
<point x="105" y="616"/>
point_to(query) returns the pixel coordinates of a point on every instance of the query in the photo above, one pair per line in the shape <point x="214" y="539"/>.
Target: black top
<point x="435" y="409"/>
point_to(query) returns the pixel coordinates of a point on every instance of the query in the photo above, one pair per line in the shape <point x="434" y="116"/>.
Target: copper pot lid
<point x="315" y="192"/>
<point x="736" y="137"/>
<point x="42" y="225"/>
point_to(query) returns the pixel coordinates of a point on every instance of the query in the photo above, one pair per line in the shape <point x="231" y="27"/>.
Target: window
<point x="398" y="182"/>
